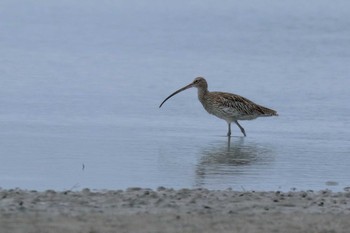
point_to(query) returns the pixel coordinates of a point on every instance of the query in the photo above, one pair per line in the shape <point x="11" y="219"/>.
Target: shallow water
<point x="81" y="85"/>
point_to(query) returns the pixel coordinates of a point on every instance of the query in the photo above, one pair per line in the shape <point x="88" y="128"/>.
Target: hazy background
<point x="81" y="82"/>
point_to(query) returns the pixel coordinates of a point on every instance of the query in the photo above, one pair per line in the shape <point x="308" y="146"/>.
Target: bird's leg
<point x="229" y="129"/>
<point x="228" y="144"/>
<point x="241" y="128"/>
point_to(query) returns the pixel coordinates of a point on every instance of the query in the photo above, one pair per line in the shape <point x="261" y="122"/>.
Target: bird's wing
<point x="236" y="103"/>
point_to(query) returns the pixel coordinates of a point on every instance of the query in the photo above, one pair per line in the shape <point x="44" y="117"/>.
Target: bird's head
<point x="198" y="82"/>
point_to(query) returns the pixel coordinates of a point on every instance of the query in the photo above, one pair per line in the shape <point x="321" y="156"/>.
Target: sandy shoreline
<point x="168" y="210"/>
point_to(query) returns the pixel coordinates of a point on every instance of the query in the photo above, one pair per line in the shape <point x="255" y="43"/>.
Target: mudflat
<point x="168" y="210"/>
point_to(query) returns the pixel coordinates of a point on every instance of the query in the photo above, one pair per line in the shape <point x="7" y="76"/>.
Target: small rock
<point x="50" y="191"/>
<point x="161" y="188"/>
<point x="146" y="193"/>
<point x="325" y="192"/>
<point x="132" y="189"/>
<point x="303" y="194"/>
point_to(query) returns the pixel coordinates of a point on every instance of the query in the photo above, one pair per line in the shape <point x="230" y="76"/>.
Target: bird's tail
<point x="267" y="111"/>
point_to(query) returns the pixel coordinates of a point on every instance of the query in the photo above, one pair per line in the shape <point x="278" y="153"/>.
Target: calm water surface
<point x="81" y="85"/>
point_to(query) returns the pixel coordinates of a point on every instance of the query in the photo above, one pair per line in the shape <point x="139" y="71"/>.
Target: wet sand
<point x="168" y="210"/>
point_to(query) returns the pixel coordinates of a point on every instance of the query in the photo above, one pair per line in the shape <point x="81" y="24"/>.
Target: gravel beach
<point x="168" y="210"/>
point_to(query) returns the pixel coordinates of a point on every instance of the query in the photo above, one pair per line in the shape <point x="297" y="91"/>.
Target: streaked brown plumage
<point x="226" y="106"/>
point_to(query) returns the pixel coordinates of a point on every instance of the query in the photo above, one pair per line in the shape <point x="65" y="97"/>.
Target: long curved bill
<point x="178" y="91"/>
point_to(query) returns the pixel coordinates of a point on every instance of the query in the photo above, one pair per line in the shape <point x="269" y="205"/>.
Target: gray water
<point x="81" y="83"/>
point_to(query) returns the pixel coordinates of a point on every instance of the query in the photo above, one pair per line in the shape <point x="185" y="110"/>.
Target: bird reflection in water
<point x="231" y="159"/>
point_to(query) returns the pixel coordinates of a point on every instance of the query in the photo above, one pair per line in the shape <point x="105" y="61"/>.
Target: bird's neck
<point x="202" y="92"/>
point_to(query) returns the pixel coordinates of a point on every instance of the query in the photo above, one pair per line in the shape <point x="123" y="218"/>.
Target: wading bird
<point x="226" y="106"/>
